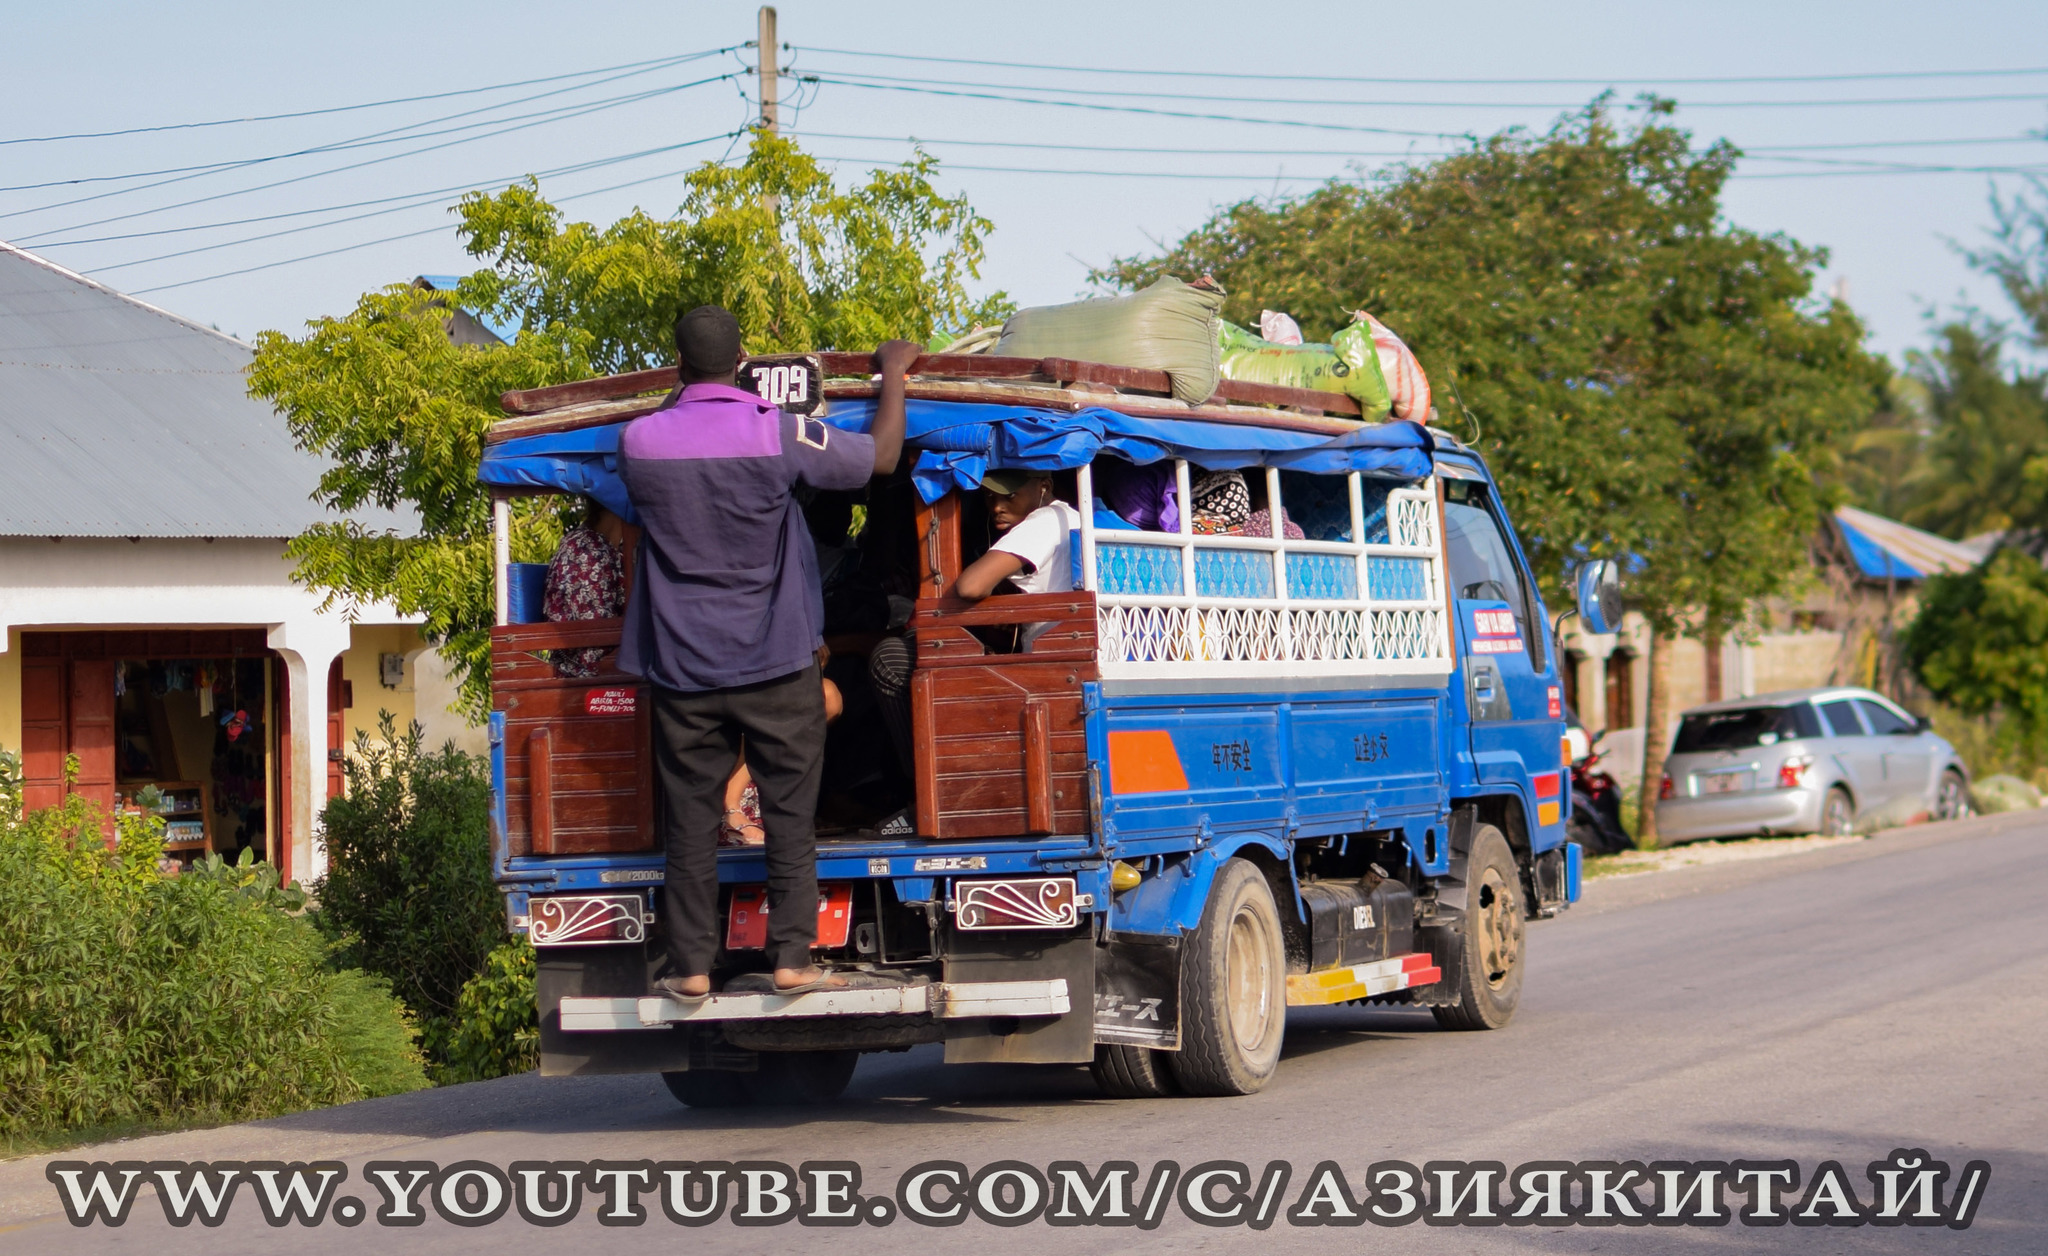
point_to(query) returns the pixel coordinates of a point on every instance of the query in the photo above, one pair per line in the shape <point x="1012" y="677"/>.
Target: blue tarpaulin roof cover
<point x="1885" y="549"/>
<point x="956" y="442"/>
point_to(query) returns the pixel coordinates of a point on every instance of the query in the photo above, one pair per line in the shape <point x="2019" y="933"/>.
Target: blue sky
<point x="1142" y="176"/>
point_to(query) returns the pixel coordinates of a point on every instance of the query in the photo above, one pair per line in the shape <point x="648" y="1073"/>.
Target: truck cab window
<point x="1480" y="564"/>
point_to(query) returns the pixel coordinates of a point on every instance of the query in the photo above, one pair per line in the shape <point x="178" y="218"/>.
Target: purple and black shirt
<point x="727" y="592"/>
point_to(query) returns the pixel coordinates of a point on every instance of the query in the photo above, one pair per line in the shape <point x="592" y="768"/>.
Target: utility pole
<point x="767" y="71"/>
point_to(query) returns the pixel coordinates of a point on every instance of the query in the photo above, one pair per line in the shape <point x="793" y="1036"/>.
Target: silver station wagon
<point x="1805" y="761"/>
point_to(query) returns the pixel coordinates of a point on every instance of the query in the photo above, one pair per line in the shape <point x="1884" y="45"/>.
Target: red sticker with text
<point x="1494" y="632"/>
<point x="1556" y="704"/>
<point x="611" y="702"/>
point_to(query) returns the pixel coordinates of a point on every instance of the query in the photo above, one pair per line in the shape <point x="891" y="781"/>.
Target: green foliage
<point x="1986" y="454"/>
<point x="10" y="784"/>
<point x="1980" y="644"/>
<point x="408" y="894"/>
<point x="497" y="1031"/>
<point x="401" y="410"/>
<point x="1645" y="378"/>
<point x="132" y="998"/>
<point x="378" y="1038"/>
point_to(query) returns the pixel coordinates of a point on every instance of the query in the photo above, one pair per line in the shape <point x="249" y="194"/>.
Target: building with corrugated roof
<point x="152" y="630"/>
<point x="1840" y="629"/>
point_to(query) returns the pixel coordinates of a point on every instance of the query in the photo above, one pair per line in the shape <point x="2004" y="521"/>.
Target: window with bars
<point x="1360" y="592"/>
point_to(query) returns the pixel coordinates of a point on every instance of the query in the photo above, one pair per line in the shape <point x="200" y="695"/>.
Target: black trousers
<point x="697" y="740"/>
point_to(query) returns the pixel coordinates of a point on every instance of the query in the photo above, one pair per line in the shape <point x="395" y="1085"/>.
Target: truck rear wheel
<point x="784" y="1077"/>
<point x="705" y="1088"/>
<point x="1484" y="967"/>
<point x="1233" y="989"/>
<point x="800" y="1077"/>
<point x="1125" y="1072"/>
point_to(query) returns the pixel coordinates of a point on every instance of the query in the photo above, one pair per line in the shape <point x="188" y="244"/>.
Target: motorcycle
<point x="1595" y="822"/>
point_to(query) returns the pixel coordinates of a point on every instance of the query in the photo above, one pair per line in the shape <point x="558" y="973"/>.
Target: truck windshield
<point x="1744" y="727"/>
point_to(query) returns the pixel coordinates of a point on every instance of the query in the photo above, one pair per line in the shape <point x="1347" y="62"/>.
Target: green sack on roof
<point x="1349" y="365"/>
<point x="1170" y="326"/>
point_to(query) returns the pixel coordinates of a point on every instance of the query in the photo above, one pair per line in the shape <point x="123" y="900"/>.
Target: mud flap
<point x="1137" y="991"/>
<point x="1067" y="1039"/>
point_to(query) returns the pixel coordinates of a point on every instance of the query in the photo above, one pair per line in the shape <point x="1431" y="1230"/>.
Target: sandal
<point x="730" y="834"/>
<point x="673" y="988"/>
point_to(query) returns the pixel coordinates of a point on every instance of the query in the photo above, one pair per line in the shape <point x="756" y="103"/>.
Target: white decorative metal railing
<point x="1188" y="604"/>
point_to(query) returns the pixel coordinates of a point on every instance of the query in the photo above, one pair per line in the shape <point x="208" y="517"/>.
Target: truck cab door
<point x="1511" y="693"/>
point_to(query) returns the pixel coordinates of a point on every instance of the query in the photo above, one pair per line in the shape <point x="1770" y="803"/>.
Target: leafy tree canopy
<point x="1980" y="643"/>
<point x="401" y="410"/>
<point x="1645" y="378"/>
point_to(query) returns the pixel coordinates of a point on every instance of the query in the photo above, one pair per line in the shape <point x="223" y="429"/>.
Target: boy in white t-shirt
<point x="1033" y="550"/>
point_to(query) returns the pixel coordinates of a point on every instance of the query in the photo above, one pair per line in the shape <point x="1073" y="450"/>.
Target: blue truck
<point x="1234" y="773"/>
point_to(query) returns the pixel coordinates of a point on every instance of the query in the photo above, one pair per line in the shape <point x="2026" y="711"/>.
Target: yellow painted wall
<point x="10" y="693"/>
<point x="359" y="668"/>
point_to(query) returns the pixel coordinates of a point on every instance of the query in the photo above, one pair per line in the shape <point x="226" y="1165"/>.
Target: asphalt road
<point x="1829" y="1006"/>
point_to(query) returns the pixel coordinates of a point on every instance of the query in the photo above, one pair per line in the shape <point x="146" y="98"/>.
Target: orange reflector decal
<point x="1547" y="813"/>
<point x="1143" y="761"/>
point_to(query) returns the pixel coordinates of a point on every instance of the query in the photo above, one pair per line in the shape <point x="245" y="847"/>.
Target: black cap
<point x="707" y="342"/>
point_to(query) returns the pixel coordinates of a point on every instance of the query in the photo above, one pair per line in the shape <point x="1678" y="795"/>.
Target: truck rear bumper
<point x="944" y="1000"/>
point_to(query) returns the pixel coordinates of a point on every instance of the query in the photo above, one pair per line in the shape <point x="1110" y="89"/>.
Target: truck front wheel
<point x="1484" y="967"/>
<point x="1233" y="989"/>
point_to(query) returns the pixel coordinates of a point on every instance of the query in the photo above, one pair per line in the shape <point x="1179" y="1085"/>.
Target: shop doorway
<point x="192" y="745"/>
<point x="189" y="724"/>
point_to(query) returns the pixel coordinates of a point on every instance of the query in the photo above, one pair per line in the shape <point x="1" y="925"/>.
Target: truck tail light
<point x="1665" y="789"/>
<point x="1792" y="772"/>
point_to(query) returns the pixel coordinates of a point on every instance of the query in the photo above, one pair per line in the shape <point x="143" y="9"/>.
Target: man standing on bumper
<point x="725" y="623"/>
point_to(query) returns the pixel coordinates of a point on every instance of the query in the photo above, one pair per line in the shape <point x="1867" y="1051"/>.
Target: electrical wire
<point x="371" y="104"/>
<point x="1161" y="113"/>
<point x="538" y="118"/>
<point x="412" y="235"/>
<point x="1152" y="72"/>
<point x="140" y="213"/>
<point x="417" y="201"/>
<point x="851" y="79"/>
<point x="391" y="135"/>
<point x="1349" y="152"/>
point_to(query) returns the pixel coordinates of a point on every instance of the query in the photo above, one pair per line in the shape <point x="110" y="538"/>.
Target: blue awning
<point x="957" y="442"/>
<point x="1872" y="558"/>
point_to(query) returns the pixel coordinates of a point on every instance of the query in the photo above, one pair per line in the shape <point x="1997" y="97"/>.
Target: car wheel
<point x="1837" y="814"/>
<point x="1952" y="801"/>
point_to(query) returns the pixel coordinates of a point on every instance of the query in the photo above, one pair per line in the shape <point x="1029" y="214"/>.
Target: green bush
<point x="497" y="1030"/>
<point x="408" y="892"/>
<point x="131" y="998"/>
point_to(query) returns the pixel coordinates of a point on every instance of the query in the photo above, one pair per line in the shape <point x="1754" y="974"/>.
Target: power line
<point x="417" y="201"/>
<point x="537" y="118"/>
<point x="1444" y="82"/>
<point x="865" y="80"/>
<point x="411" y="235"/>
<point x="1162" y="113"/>
<point x="372" y="104"/>
<point x="390" y="135"/>
<point x="427" y="194"/>
<point x="141" y="213"/>
<point x="1350" y="152"/>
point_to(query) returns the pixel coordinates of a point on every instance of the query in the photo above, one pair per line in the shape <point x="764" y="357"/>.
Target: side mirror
<point x="1600" y="596"/>
<point x="1924" y="724"/>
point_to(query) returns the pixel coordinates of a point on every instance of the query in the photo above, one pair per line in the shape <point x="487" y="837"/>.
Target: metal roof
<point x="121" y="419"/>
<point x="1885" y="549"/>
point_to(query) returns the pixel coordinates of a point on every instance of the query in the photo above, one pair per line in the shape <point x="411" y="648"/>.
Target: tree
<point x="1987" y="447"/>
<point x="1980" y="643"/>
<point x="1646" y="379"/>
<point x="402" y="411"/>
